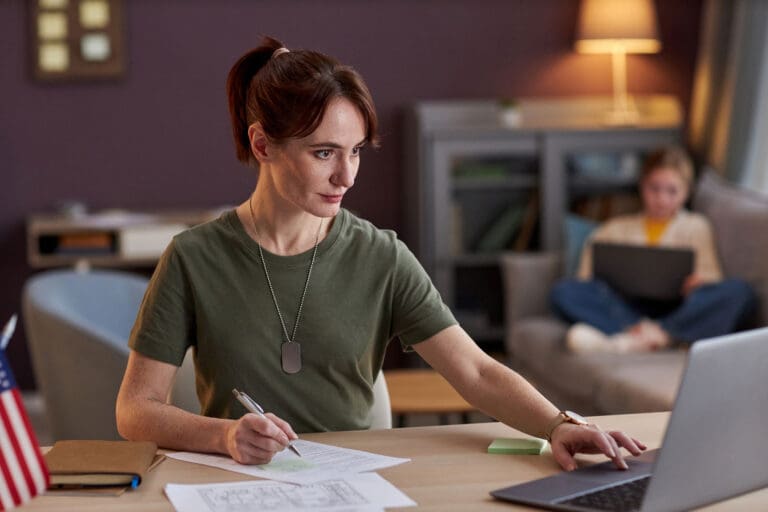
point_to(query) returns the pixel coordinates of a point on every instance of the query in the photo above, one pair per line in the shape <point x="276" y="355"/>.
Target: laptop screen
<point x="641" y="272"/>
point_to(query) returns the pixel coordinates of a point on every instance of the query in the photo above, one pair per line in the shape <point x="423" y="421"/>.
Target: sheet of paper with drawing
<point x="365" y="492"/>
<point x="318" y="462"/>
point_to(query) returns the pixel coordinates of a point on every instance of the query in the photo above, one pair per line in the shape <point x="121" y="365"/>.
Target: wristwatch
<point x="564" y="417"/>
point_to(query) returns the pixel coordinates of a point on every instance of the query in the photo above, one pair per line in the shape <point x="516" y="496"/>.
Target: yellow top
<point x="654" y="229"/>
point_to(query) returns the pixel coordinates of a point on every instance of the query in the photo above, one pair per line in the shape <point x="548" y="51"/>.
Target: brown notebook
<point x="99" y="463"/>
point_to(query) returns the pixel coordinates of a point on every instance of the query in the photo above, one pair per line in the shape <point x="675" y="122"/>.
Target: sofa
<point x="607" y="383"/>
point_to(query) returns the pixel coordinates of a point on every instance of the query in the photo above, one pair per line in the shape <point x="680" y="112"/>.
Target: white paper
<point x="366" y="492"/>
<point x="318" y="462"/>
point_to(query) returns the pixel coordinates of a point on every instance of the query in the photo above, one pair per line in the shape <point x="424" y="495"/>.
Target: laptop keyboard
<point x="623" y="497"/>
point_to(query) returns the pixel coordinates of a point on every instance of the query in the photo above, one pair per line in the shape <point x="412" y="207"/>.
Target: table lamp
<point x="618" y="27"/>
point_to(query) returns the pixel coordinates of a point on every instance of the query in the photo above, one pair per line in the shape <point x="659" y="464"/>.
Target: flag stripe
<point x="23" y="473"/>
<point x="8" y="498"/>
<point x="15" y="480"/>
<point x="10" y="412"/>
<point x="30" y="446"/>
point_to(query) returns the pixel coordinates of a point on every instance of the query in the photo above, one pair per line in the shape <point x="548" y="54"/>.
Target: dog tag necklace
<point x="290" y="350"/>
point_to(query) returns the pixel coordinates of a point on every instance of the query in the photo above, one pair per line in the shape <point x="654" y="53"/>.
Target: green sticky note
<point x="517" y="446"/>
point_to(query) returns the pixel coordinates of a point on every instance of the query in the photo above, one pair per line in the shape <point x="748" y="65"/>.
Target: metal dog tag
<point x="291" y="357"/>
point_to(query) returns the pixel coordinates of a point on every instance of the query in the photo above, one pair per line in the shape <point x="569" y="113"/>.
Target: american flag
<point x="22" y="468"/>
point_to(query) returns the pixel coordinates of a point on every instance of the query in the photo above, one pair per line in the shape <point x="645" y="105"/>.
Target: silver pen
<point x="7" y="332"/>
<point x="251" y="405"/>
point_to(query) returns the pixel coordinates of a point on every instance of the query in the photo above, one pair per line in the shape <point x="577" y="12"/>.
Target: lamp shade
<point x="605" y="25"/>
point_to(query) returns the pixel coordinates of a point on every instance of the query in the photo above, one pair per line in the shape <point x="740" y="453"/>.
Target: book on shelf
<point x="96" y="240"/>
<point x="502" y="230"/>
<point x="513" y="229"/>
<point x="457" y="233"/>
<point x="77" y="243"/>
<point x="480" y="170"/>
<point x="524" y="238"/>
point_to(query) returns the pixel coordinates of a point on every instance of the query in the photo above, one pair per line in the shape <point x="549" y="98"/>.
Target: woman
<point x="709" y="305"/>
<point x="293" y="299"/>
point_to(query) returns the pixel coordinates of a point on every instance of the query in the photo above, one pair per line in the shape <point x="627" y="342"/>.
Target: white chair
<point x="183" y="393"/>
<point x="381" y="412"/>
<point x="77" y="326"/>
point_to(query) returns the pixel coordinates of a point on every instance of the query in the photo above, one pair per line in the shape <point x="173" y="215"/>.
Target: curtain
<point x="729" y="111"/>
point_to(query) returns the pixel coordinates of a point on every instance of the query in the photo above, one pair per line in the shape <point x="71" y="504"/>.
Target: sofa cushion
<point x="611" y="383"/>
<point x="739" y="218"/>
<point x="536" y="347"/>
<point x="527" y="279"/>
<point x="640" y="383"/>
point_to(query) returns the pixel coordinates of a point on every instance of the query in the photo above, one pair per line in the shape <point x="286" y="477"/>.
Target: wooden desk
<point x="449" y="471"/>
<point x="423" y="391"/>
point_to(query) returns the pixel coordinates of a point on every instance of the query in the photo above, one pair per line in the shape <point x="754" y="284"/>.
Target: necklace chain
<point x="269" y="281"/>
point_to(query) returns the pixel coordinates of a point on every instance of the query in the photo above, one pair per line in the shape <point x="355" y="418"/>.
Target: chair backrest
<point x="381" y="412"/>
<point x="183" y="393"/>
<point x="77" y="327"/>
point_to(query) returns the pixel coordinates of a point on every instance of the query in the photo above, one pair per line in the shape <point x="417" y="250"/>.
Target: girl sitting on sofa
<point x="603" y="320"/>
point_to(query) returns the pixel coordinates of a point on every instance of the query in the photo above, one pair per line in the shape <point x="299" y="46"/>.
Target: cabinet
<point x="106" y="239"/>
<point x="466" y="172"/>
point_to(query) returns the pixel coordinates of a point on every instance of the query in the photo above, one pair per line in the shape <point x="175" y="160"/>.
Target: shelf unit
<point x="105" y="239"/>
<point x="448" y="209"/>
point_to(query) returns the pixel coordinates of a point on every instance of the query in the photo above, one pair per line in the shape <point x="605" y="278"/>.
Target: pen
<point x="255" y="408"/>
<point x="7" y="332"/>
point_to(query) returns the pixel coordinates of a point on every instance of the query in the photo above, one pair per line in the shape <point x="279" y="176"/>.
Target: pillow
<point x="502" y="230"/>
<point x="577" y="230"/>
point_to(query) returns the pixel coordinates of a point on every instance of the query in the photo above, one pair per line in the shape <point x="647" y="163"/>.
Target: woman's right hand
<point x="255" y="439"/>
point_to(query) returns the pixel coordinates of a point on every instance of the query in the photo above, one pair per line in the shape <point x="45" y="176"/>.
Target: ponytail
<point x="238" y="85"/>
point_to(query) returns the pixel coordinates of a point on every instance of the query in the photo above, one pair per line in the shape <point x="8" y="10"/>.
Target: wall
<point x="159" y="137"/>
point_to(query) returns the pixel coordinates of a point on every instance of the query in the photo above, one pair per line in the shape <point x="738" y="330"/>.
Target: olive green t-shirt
<point x="209" y="291"/>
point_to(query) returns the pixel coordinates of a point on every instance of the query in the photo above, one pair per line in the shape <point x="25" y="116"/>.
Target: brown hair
<point x="288" y="93"/>
<point x="670" y="157"/>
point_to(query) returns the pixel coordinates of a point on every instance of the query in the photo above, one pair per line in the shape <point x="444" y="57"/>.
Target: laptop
<point x="642" y="272"/>
<point x="714" y="446"/>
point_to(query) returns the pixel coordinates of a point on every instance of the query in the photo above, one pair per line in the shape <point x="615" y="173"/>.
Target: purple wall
<point x="159" y="137"/>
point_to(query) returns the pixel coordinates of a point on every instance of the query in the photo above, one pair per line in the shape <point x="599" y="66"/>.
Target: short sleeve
<point x="165" y="325"/>
<point x="418" y="309"/>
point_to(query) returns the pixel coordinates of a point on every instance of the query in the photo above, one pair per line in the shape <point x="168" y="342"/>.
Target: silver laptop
<point x="714" y="447"/>
<point x="642" y="272"/>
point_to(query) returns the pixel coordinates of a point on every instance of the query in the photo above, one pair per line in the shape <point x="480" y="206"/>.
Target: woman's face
<point x="664" y="192"/>
<point x="314" y="172"/>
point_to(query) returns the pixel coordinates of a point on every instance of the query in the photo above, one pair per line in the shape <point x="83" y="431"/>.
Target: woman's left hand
<point x="569" y="439"/>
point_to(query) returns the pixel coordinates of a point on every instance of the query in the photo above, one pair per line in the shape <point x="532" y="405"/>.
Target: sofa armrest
<point x="734" y="211"/>
<point x="528" y="278"/>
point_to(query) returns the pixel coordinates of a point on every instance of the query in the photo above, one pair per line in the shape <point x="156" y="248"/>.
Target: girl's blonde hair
<point x="669" y="157"/>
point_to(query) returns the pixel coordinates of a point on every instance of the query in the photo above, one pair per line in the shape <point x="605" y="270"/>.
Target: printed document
<point x="318" y="462"/>
<point x="366" y="492"/>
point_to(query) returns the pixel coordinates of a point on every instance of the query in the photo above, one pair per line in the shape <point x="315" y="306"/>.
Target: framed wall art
<point x="77" y="39"/>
